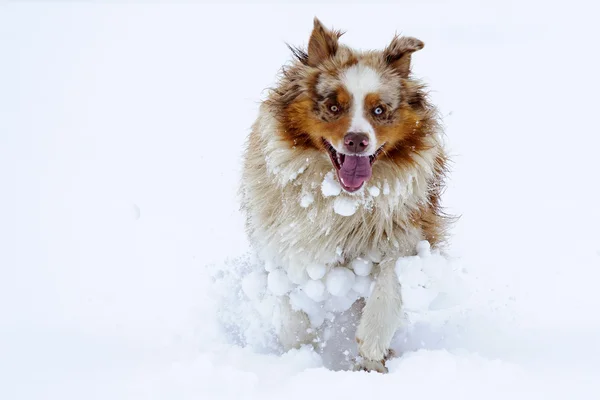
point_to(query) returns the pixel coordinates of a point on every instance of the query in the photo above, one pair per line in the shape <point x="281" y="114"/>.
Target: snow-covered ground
<point x="121" y="130"/>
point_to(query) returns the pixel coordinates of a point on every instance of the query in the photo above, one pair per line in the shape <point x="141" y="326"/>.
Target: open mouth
<point x="352" y="170"/>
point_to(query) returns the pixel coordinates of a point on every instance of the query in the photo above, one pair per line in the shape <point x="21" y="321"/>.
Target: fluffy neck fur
<point x="290" y="221"/>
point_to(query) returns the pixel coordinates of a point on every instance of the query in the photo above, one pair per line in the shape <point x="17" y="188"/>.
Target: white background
<point x="121" y="132"/>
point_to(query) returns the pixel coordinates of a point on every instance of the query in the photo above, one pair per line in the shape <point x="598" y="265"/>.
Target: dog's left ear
<point x="399" y="52"/>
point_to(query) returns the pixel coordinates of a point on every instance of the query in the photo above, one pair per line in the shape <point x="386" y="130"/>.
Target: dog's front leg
<point x="381" y="317"/>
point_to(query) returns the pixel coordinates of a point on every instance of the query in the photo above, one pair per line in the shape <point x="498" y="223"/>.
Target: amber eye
<point x="334" y="108"/>
<point x="378" y="110"/>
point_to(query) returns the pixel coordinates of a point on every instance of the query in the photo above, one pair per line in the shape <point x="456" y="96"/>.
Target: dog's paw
<point x="364" y="364"/>
<point x="370" y="365"/>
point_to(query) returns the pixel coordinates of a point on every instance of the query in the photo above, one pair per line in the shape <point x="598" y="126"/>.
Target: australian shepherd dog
<point x="342" y="175"/>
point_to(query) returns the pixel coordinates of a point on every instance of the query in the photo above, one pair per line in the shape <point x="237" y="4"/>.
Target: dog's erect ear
<point x="322" y="45"/>
<point x="398" y="53"/>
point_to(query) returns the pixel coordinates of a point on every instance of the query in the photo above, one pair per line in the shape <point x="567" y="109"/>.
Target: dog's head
<point x="355" y="107"/>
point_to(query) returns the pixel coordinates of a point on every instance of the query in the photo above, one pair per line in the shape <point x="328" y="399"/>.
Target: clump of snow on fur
<point x="423" y="248"/>
<point x="296" y="272"/>
<point x="374" y="191"/>
<point x="278" y="282"/>
<point x="315" y="289"/>
<point x="300" y="301"/>
<point x="361" y="267"/>
<point x="345" y="206"/>
<point x="306" y="200"/>
<point x="339" y="281"/>
<point x="316" y="271"/>
<point x="330" y="186"/>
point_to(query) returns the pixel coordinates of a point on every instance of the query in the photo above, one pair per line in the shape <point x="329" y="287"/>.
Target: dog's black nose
<point x="356" y="142"/>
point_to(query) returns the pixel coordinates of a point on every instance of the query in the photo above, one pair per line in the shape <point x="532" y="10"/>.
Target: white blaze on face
<point x="361" y="80"/>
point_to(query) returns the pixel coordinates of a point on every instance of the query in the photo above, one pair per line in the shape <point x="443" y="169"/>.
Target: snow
<point x="316" y="271"/>
<point x="423" y="248"/>
<point x="254" y="284"/>
<point x="299" y="300"/>
<point x="330" y="186"/>
<point x="120" y="127"/>
<point x="374" y="191"/>
<point x="339" y="281"/>
<point x="278" y="282"/>
<point x="345" y="205"/>
<point x="361" y="266"/>
<point x="315" y="290"/>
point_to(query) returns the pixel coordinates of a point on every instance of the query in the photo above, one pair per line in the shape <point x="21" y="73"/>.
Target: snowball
<point x="270" y="266"/>
<point x="345" y="206"/>
<point x="278" y="282"/>
<point x="315" y="290"/>
<point x="307" y="200"/>
<point x="296" y="273"/>
<point x="423" y="248"/>
<point x="254" y="284"/>
<point x="339" y="281"/>
<point x="362" y="285"/>
<point x="316" y="271"/>
<point x="330" y="186"/>
<point x="301" y="302"/>
<point x="361" y="266"/>
<point x="374" y="191"/>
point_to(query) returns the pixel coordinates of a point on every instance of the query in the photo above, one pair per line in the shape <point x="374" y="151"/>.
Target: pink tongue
<point x="355" y="171"/>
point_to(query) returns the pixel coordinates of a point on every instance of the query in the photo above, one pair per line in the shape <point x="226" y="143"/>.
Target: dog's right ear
<point x="398" y="53"/>
<point x="322" y="45"/>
